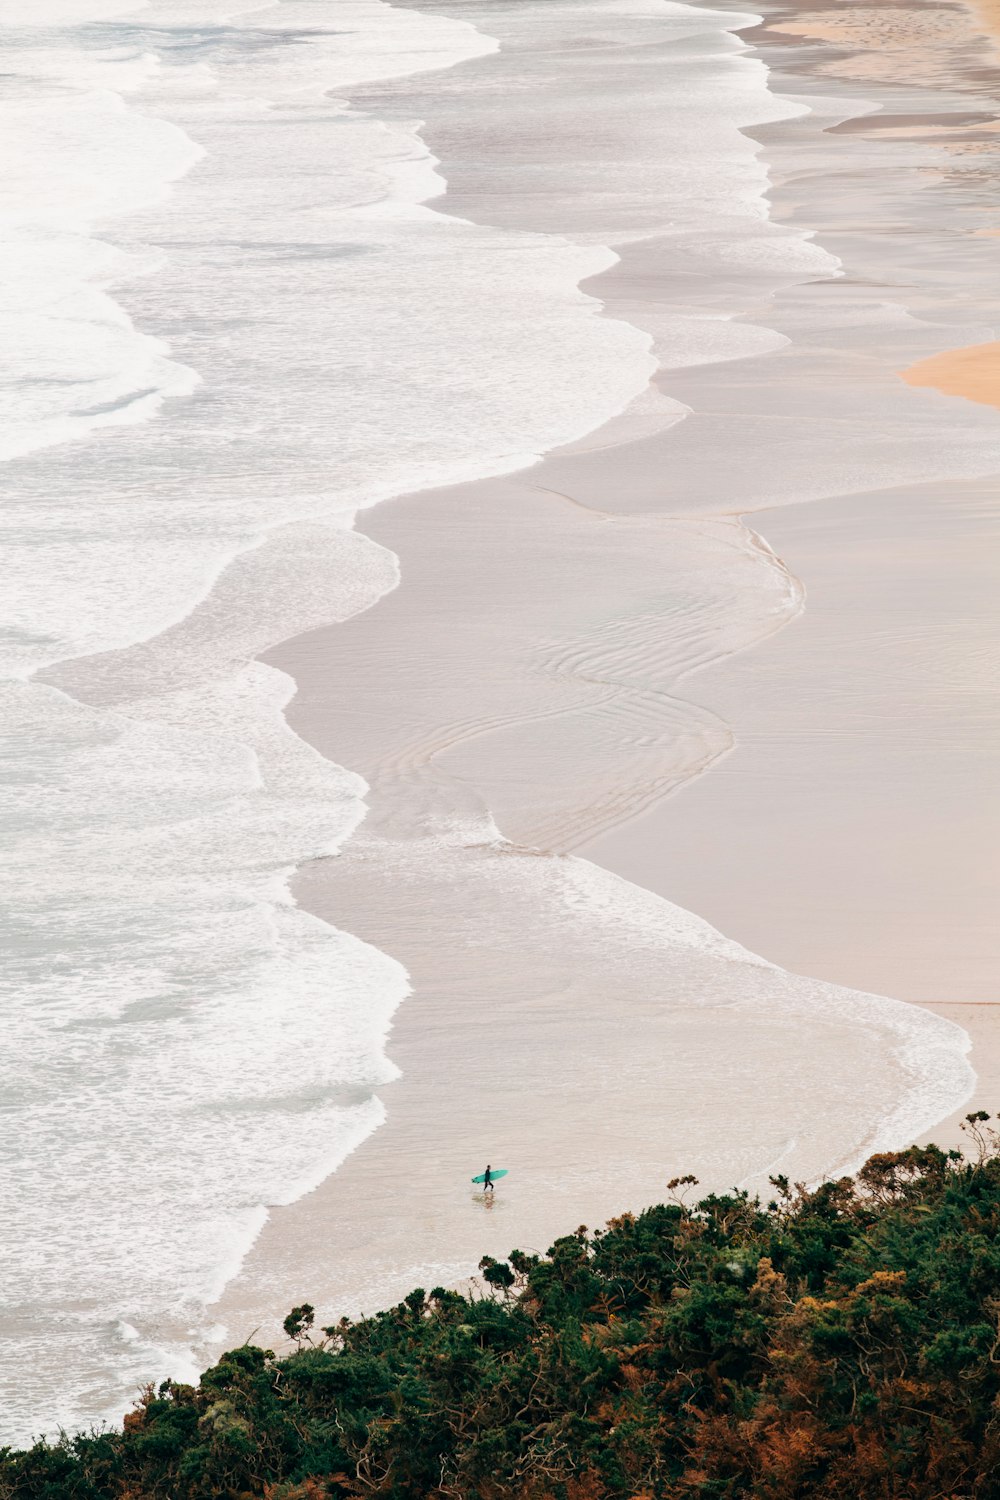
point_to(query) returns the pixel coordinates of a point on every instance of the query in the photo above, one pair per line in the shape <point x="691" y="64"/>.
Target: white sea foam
<point x="73" y="360"/>
<point x="63" y="12"/>
<point x="930" y="1052"/>
<point x="185" y="1047"/>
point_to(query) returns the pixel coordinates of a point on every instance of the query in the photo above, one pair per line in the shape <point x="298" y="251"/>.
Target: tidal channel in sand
<point x="571" y="645"/>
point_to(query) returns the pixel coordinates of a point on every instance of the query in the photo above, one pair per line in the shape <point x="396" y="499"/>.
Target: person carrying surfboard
<point x="490" y="1177"/>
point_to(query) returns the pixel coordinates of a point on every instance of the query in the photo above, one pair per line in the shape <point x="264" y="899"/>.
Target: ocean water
<point x="236" y="315"/>
<point x="229" y="320"/>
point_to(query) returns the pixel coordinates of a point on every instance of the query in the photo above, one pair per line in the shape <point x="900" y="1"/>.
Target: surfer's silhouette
<point x="487" y="1181"/>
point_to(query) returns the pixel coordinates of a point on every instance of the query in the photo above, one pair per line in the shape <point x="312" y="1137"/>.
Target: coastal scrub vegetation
<point x="840" y="1341"/>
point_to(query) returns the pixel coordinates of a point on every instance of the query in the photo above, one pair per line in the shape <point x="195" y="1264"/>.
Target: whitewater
<point x="184" y="1047"/>
<point x="236" y="315"/>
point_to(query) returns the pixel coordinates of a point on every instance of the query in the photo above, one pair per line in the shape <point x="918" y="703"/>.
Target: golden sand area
<point x="973" y="373"/>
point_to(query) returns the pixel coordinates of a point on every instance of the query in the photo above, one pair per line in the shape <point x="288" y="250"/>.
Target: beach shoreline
<point x="369" y="1231"/>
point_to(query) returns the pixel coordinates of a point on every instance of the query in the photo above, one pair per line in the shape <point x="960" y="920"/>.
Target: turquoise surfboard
<point x="496" y="1172"/>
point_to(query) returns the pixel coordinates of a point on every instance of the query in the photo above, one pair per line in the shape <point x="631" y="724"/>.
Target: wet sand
<point x="563" y="1022"/>
<point x="883" y="756"/>
<point x="815" y="783"/>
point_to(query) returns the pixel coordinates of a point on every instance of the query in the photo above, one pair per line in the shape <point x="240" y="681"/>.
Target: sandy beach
<point x="643" y="679"/>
